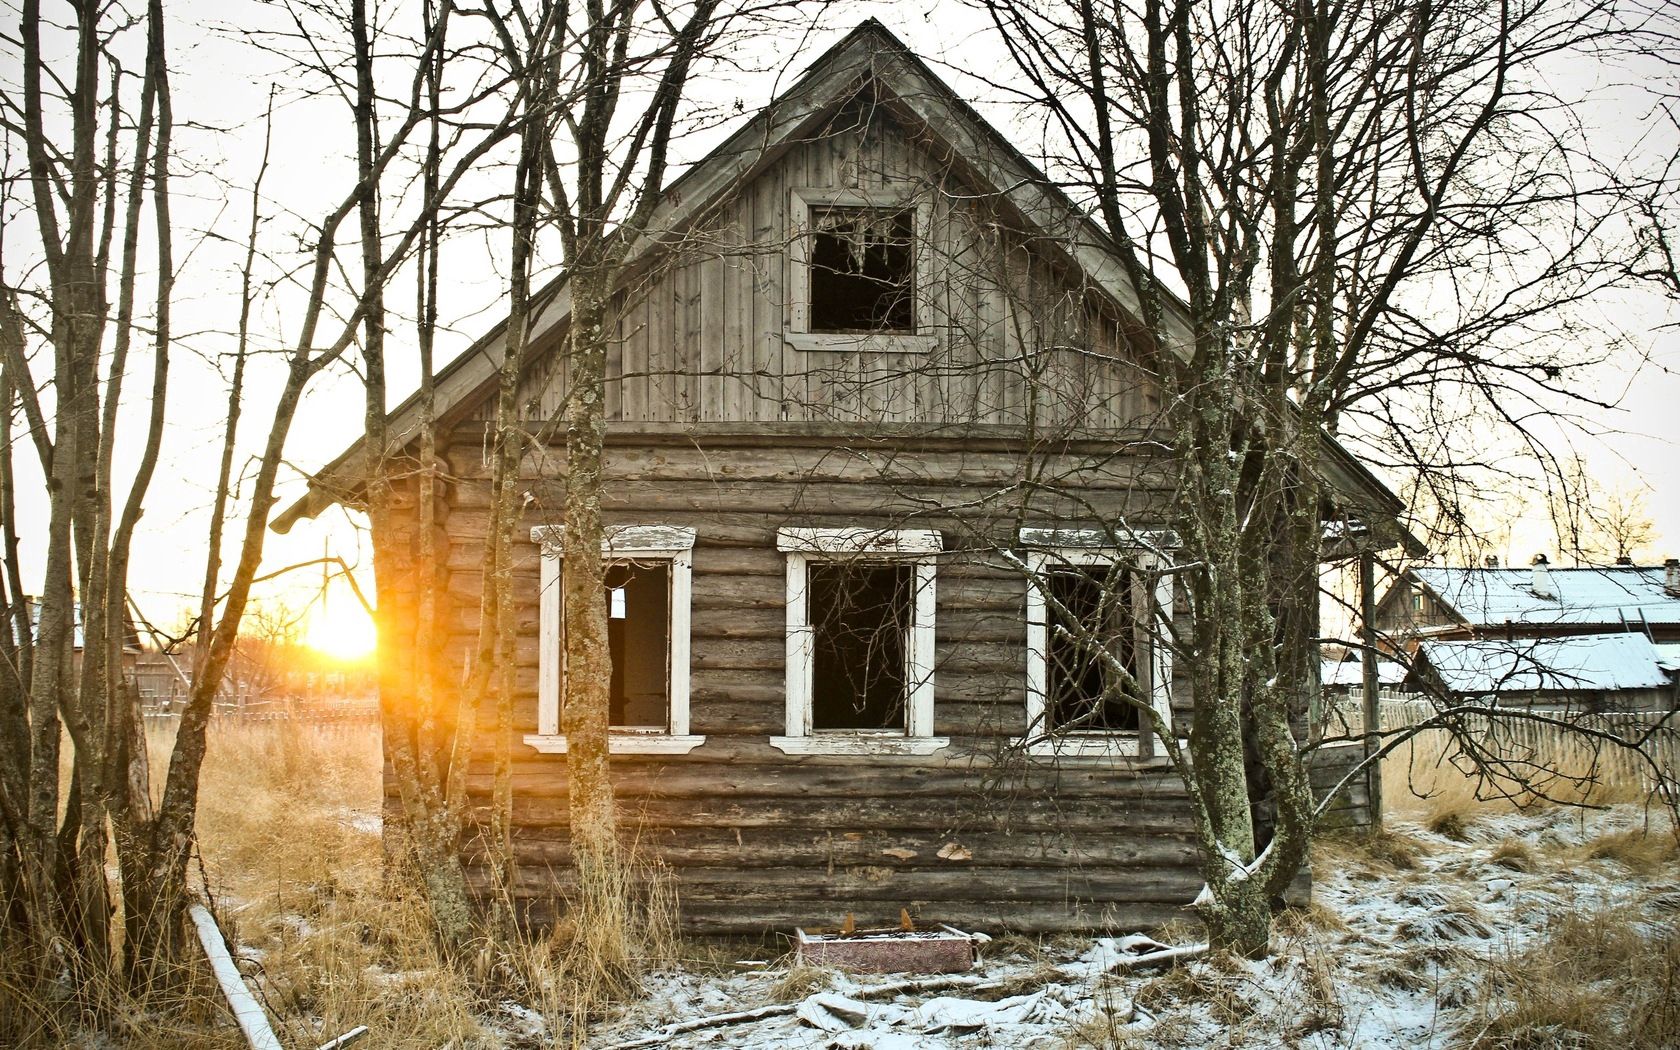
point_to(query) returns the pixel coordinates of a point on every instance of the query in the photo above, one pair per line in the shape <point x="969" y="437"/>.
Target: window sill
<point x="858" y="744"/>
<point x="875" y="343"/>
<point x="1092" y="746"/>
<point x="621" y="743"/>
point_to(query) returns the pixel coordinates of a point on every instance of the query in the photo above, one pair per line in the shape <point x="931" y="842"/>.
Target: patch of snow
<point x="1588" y="662"/>
<point x="523" y="1021"/>
<point x="1399" y="976"/>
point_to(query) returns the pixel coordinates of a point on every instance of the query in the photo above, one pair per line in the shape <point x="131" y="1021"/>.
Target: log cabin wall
<point x="759" y="839"/>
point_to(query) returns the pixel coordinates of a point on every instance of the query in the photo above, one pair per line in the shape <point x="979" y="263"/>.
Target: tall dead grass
<point x="1421" y="782"/>
<point x="292" y="830"/>
<point x="292" y="857"/>
<point x="1607" y="978"/>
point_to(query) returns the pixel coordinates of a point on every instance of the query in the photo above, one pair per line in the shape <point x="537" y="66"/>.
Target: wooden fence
<point x="1342" y="715"/>
<point x="1578" y="748"/>
<point x="347" y="713"/>
<point x="1558" y="758"/>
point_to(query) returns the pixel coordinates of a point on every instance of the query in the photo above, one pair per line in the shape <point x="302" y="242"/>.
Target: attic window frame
<point x="620" y="543"/>
<point x="1048" y="551"/>
<point x="920" y="549"/>
<point x="887" y="201"/>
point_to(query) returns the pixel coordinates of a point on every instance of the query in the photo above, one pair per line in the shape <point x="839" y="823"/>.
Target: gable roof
<point x="1573" y="663"/>
<point x="1351" y="672"/>
<point x="1597" y="596"/>
<point x="869" y="54"/>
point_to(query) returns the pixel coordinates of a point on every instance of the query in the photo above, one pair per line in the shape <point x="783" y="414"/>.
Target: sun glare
<point x="344" y="631"/>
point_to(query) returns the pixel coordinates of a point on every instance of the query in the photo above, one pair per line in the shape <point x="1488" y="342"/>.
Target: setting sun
<point x="343" y="630"/>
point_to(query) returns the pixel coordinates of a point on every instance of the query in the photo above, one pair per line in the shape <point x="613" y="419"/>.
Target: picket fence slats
<point x="1564" y="747"/>
<point x="348" y="714"/>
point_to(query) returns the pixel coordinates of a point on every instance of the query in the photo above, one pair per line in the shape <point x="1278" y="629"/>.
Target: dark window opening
<point x="1086" y="692"/>
<point x="862" y="270"/>
<point x="860" y="620"/>
<point x="639" y="639"/>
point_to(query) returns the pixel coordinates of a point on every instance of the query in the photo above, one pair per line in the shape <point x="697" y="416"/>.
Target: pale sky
<point x="220" y="82"/>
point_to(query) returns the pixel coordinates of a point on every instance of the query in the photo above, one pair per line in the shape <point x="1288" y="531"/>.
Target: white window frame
<point x="799" y="335"/>
<point x="918" y="547"/>
<point x="620" y="543"/>
<point x="1048" y="550"/>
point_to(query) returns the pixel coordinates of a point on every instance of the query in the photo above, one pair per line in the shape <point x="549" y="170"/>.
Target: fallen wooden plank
<point x="247" y="1012"/>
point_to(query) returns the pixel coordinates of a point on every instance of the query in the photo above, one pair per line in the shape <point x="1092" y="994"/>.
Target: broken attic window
<point x="862" y="270"/>
<point x="639" y="639"/>
<point x="860" y="616"/>
<point x="1086" y="692"/>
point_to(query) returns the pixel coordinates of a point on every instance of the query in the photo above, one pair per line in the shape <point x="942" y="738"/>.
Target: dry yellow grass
<point x="1608" y="978"/>
<point x="288" y="808"/>
<point x="1421" y="782"/>
<point x="290" y="837"/>
<point x="1384" y="850"/>
<point x="1647" y="850"/>
<point x="289" y="834"/>
<point x="287" y="823"/>
<point x="1515" y="855"/>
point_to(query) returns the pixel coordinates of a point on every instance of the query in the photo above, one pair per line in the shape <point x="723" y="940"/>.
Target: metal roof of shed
<point x="1609" y="595"/>
<point x="1572" y="663"/>
<point x="1352" y="673"/>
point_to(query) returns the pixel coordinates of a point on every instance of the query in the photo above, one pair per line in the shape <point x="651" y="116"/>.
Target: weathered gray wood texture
<point x="1326" y="767"/>
<point x="759" y="839"/>
<point x="1027" y="410"/>
<point x="701" y="332"/>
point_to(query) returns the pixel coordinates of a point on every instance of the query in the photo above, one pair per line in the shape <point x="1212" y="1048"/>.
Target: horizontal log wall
<point x="759" y="839"/>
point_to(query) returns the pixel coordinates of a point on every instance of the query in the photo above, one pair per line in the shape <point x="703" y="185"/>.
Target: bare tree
<point x="76" y="194"/>
<point x="596" y="144"/>
<point x="1597" y="523"/>
<point x="430" y="727"/>
<point x="1337" y="219"/>
<point x="60" y="892"/>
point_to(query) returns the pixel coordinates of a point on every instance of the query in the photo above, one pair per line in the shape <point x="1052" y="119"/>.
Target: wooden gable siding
<point x="699" y="335"/>
<point x="759" y="839"/>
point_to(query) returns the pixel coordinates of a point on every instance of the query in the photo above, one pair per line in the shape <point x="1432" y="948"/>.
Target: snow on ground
<point x="1391" y="955"/>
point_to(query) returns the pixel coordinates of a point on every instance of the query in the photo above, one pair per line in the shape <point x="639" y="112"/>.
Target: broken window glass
<point x="862" y="269"/>
<point x="1086" y="690"/>
<point x="860" y="615"/>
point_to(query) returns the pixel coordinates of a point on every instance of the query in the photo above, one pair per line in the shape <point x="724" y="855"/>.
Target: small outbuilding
<point x="1541" y="600"/>
<point x="1576" y="673"/>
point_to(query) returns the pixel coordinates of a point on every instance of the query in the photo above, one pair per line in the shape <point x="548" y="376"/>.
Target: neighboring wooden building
<point x="131" y="640"/>
<point x="1599" y="638"/>
<point x="875" y="352"/>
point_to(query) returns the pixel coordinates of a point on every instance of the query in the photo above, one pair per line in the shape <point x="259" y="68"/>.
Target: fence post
<point x="1372" y="702"/>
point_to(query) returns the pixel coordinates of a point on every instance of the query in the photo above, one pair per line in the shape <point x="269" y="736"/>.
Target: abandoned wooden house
<point x="875" y="358"/>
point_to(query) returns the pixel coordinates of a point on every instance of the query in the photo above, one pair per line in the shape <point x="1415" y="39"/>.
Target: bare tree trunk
<point x="594" y="831"/>
<point x="495" y="662"/>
